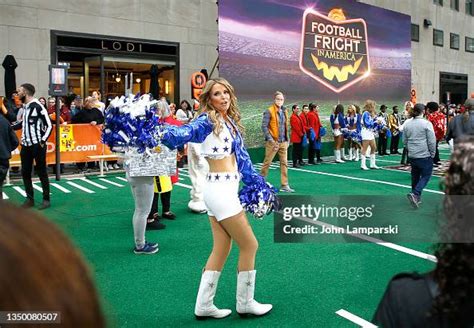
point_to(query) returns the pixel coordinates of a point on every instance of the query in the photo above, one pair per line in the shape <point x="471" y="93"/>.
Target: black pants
<point x="394" y="143"/>
<point x="38" y="154"/>
<point x="382" y="146"/>
<point x="297" y="153"/>
<point x="4" y="164"/>
<point x="165" y="202"/>
<point x="436" y="159"/>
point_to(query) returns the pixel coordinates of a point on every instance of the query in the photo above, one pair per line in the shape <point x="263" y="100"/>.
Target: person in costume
<point x="129" y="127"/>
<point x="218" y="129"/>
<point x="338" y="123"/>
<point x="198" y="169"/>
<point x="369" y="123"/>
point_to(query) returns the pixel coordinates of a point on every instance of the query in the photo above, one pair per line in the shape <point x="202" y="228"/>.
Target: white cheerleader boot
<point x="363" y="166"/>
<point x="337" y="155"/>
<point x="357" y="154"/>
<point x="245" y="292"/>
<point x="373" y="166"/>
<point x="343" y="155"/>
<point x="351" y="157"/>
<point x="205" y="307"/>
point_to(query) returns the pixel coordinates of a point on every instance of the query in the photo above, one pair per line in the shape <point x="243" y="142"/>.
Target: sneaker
<point x="302" y="163"/>
<point x="28" y="203"/>
<point x="286" y="189"/>
<point x="168" y="215"/>
<point x="110" y="167"/>
<point x="319" y="160"/>
<point x="46" y="204"/>
<point x="155" y="225"/>
<point x="116" y="166"/>
<point x="413" y="199"/>
<point x="153" y="245"/>
<point x="147" y="249"/>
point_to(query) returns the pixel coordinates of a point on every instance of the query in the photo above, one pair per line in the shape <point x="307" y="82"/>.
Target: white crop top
<point x="220" y="146"/>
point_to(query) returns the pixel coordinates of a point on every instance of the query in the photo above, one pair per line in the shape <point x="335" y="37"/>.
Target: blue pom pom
<point x="122" y="130"/>
<point x="259" y="199"/>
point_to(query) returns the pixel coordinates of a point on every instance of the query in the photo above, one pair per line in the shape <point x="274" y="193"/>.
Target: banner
<point x="76" y="143"/>
<point x="326" y="52"/>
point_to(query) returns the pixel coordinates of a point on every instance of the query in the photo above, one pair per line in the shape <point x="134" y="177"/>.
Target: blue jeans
<point x="421" y="170"/>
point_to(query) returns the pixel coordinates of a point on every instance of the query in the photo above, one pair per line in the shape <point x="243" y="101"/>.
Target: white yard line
<point x="355" y="319"/>
<point x="93" y="183"/>
<point x="183" y="185"/>
<point x="80" y="187"/>
<point x="364" y="180"/>
<point x="67" y="191"/>
<point x="111" y="182"/>
<point x="37" y="188"/>
<point x="20" y="191"/>
<point x="380" y="242"/>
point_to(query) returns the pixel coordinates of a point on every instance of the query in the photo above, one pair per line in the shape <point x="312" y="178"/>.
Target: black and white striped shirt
<point x="36" y="123"/>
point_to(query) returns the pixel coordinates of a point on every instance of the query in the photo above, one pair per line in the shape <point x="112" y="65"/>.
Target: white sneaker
<point x="286" y="189"/>
<point x="116" y="166"/>
<point x="110" y="167"/>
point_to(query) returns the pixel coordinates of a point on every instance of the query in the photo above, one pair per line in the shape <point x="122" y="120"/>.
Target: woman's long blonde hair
<point x="206" y="106"/>
<point x="370" y="106"/>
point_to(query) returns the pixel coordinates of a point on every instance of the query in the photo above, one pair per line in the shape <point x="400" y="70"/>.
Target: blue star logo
<point x="217" y="177"/>
<point x="226" y="139"/>
<point x="226" y="149"/>
<point x="227" y="177"/>
<point x="214" y="149"/>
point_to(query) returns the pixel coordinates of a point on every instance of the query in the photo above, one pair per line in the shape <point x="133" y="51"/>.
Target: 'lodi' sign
<point x="334" y="51"/>
<point x="121" y="46"/>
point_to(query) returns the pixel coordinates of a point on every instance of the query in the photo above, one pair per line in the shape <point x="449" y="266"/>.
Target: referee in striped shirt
<point x="36" y="130"/>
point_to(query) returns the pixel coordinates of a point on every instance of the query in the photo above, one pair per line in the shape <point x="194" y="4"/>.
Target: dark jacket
<point x="87" y="116"/>
<point x="408" y="301"/>
<point x="8" y="139"/>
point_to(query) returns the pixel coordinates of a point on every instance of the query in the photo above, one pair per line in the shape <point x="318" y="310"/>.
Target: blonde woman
<point x="368" y="123"/>
<point x="218" y="128"/>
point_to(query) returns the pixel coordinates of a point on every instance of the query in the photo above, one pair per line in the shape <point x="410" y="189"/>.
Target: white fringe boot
<point x="363" y="166"/>
<point x="205" y="307"/>
<point x="245" y="292"/>
<point x="372" y="162"/>
<point x="337" y="155"/>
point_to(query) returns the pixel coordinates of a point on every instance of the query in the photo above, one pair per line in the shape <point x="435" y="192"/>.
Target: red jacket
<point x="314" y="122"/>
<point x="297" y="128"/>
<point x="438" y="120"/>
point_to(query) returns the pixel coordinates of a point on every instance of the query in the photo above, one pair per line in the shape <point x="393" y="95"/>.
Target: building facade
<point x="442" y="46"/>
<point x="108" y="43"/>
<point x="103" y="42"/>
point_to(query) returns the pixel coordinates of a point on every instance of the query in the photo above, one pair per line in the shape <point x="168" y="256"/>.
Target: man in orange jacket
<point x="274" y="127"/>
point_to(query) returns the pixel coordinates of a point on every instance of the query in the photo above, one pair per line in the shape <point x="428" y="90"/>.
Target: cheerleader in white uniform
<point x="338" y="122"/>
<point x="368" y="123"/>
<point x="353" y="120"/>
<point x="218" y="129"/>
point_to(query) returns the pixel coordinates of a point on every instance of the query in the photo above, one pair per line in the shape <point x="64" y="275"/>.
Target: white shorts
<point x="367" y="134"/>
<point x="221" y="194"/>
<point x="336" y="132"/>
